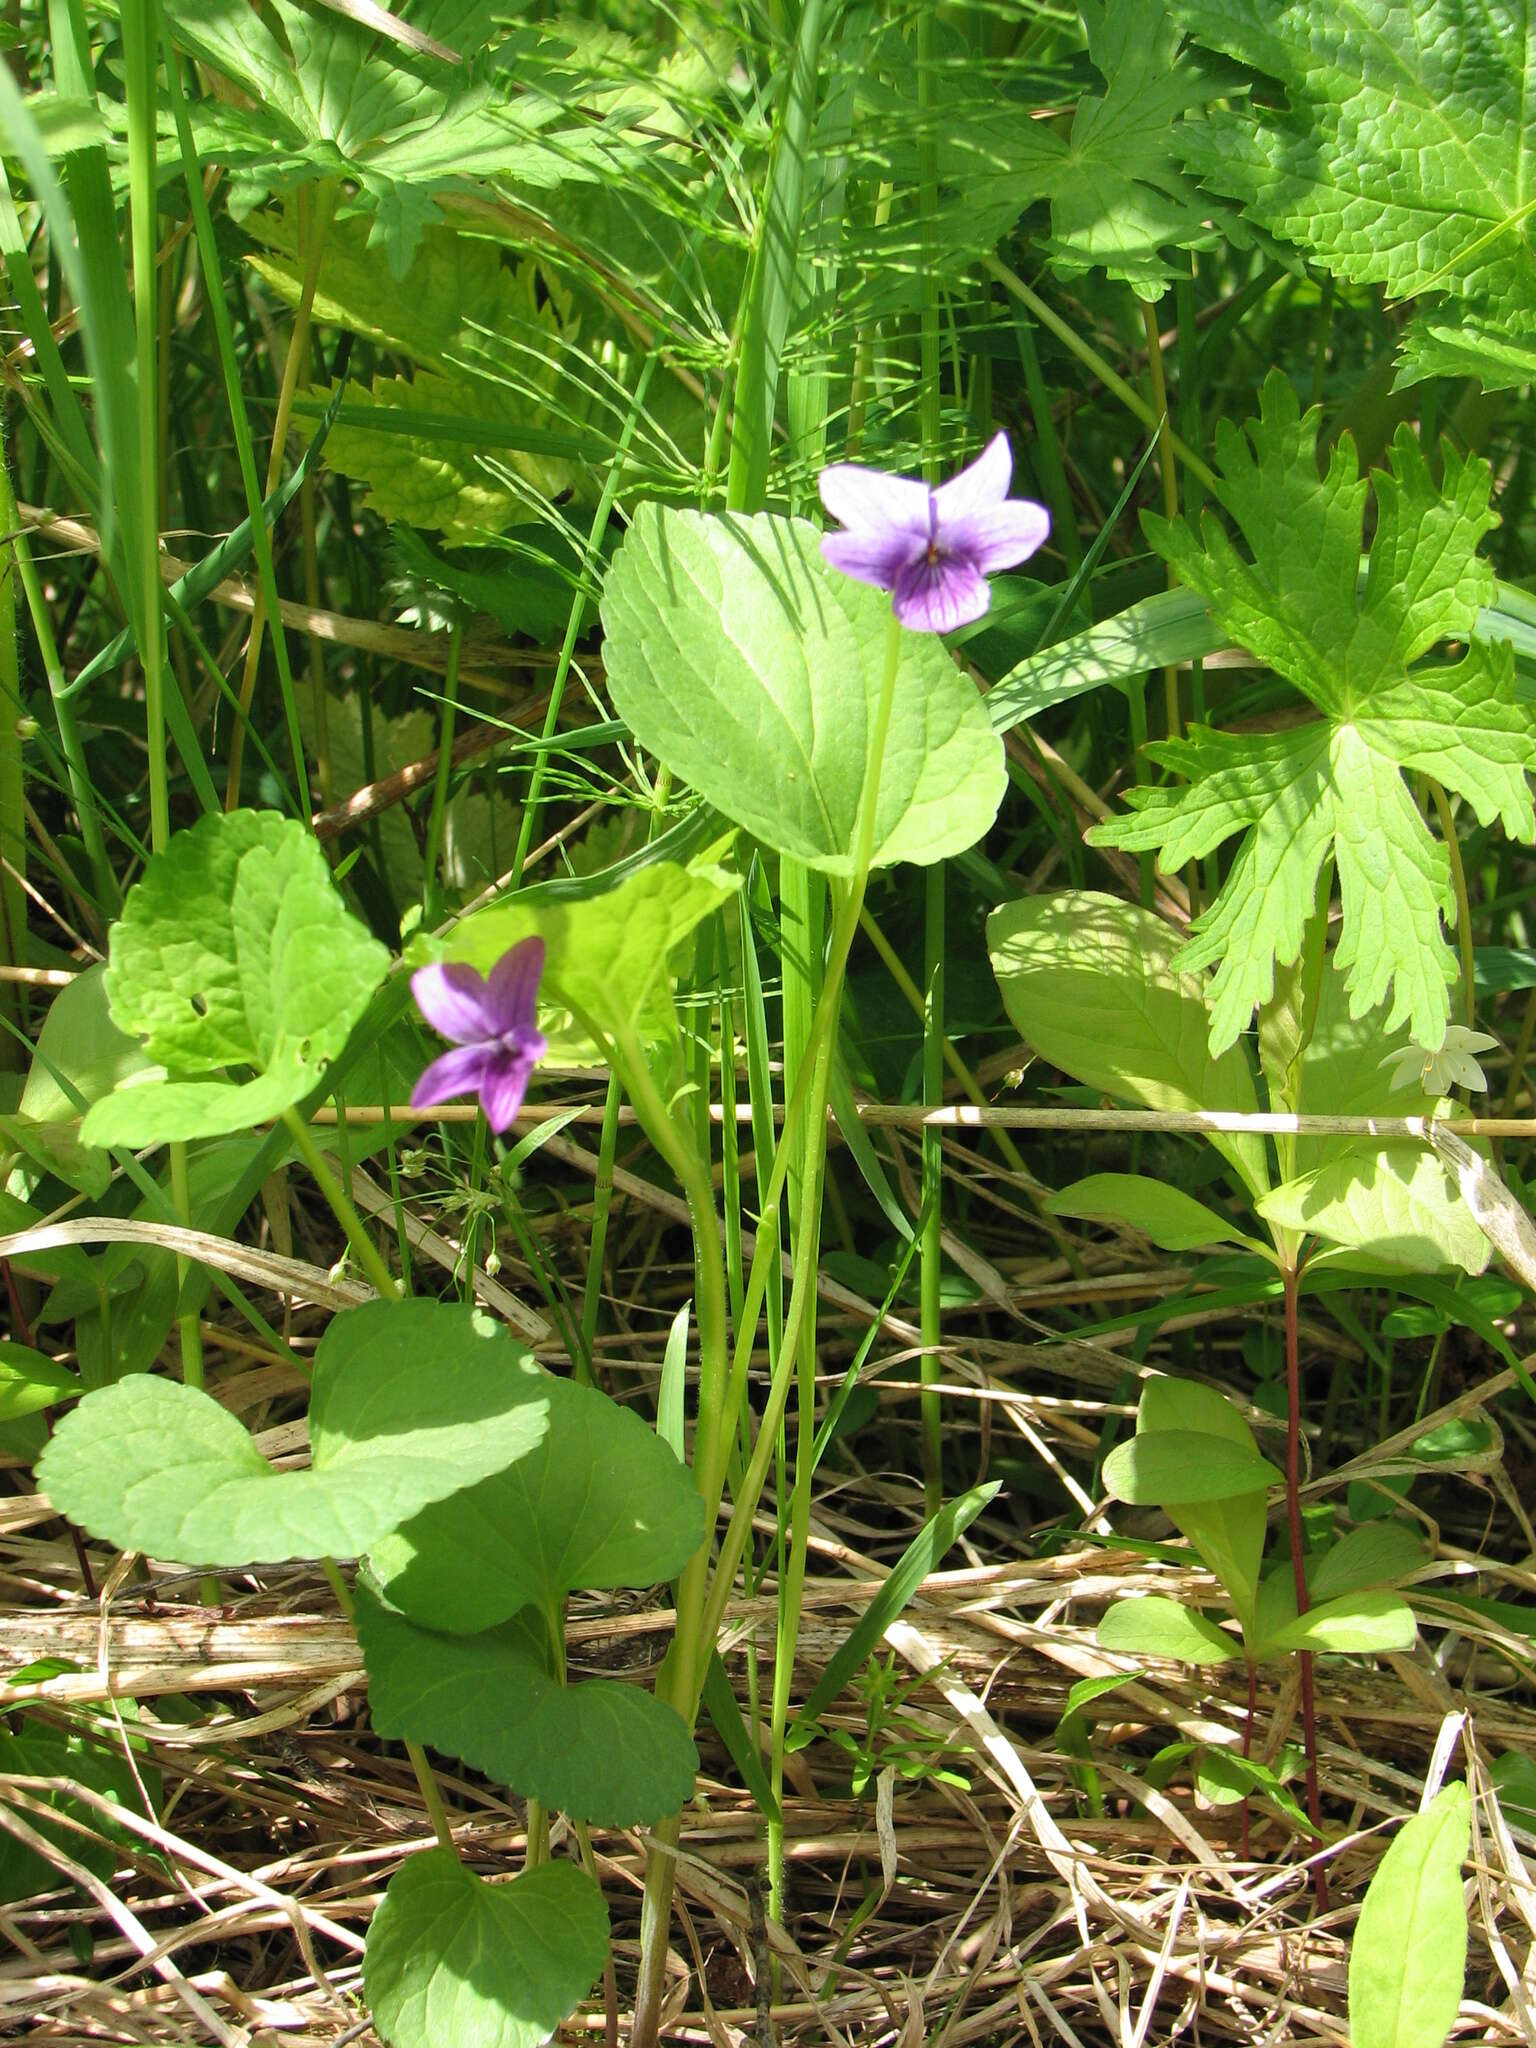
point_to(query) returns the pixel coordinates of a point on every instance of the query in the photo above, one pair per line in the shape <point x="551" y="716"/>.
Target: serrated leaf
<point x="1400" y="160"/>
<point x="1394" y="1205"/>
<point x="1155" y="1626"/>
<point x="600" y="1501"/>
<point x="408" y="1402"/>
<point x="752" y="669"/>
<point x="1184" y="1466"/>
<point x="234" y="949"/>
<point x="1094" y="985"/>
<point x="1408" y="1960"/>
<point x="596" y="1749"/>
<point x="451" y="1958"/>
<point x="1336" y="786"/>
<point x="1167" y="1215"/>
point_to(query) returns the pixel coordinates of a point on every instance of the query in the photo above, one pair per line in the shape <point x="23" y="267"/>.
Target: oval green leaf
<point x="1172" y="1219"/>
<point x="1408" y="1962"/>
<point x="750" y="668"/>
<point x="1155" y="1626"/>
<point x="598" y="1750"/>
<point x="1396" y="1206"/>
<point x="451" y="1959"/>
<point x="409" y="1400"/>
<point x="29" y="1382"/>
<point x="1179" y="1465"/>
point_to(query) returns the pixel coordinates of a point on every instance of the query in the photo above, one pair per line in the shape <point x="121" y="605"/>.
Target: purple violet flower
<point x="494" y="1023"/>
<point x="932" y="549"/>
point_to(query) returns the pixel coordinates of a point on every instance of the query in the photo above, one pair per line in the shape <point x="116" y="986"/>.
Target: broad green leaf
<point x="1092" y="983"/>
<point x="606" y="955"/>
<point x="29" y="1382"/>
<point x="1336" y="785"/>
<point x="1370" y="1556"/>
<point x="1393" y="158"/>
<point x="599" y="1501"/>
<point x="1355" y="1624"/>
<point x="1408" y="1960"/>
<point x="1155" y="1626"/>
<point x="1228" y="1532"/>
<point x="1184" y="1465"/>
<point x="234" y="950"/>
<point x="408" y="1402"/>
<point x="1167" y="1215"/>
<point x="1513" y="1778"/>
<point x="1394" y="1206"/>
<point x="752" y="669"/>
<point x="452" y="1959"/>
<point x="596" y="1749"/>
<point x="1224" y="1776"/>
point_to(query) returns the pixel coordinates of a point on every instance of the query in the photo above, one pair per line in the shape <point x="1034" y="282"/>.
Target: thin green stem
<point x="597" y="1240"/>
<point x="1442" y="806"/>
<point x="432" y="857"/>
<point x="365" y="1250"/>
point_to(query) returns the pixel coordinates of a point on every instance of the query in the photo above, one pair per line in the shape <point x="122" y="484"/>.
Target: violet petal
<point x="976" y="488"/>
<point x="876" y="558"/>
<point x="939" y="595"/>
<point x="873" y="502"/>
<point x="999" y="536"/>
<point x="461" y="1072"/>
<point x="502" y="1092"/>
<point x="454" y="1001"/>
<point x="513" y="987"/>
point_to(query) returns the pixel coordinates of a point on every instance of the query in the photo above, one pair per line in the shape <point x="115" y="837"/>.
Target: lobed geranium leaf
<point x="601" y="1501"/>
<point x="596" y="1749"/>
<point x="409" y="1401"/>
<point x="452" y="1959"/>
<point x="1336" y="786"/>
<point x="1095" y="986"/>
<point x="1398" y="159"/>
<point x="234" y="949"/>
<point x="752" y="669"/>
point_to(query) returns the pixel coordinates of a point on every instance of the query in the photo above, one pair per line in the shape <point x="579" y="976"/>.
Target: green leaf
<point x="408" y="1402"/>
<point x="1092" y="983"/>
<point x="1403" y="161"/>
<point x="1184" y="1465"/>
<point x="1336" y="785"/>
<point x="451" y="1958"/>
<point x="598" y="1749"/>
<point x="1167" y="1215"/>
<point x="29" y="1382"/>
<point x="605" y="954"/>
<point x="1227" y="1533"/>
<point x="40" y="1751"/>
<point x="1370" y="1556"/>
<point x="80" y="1056"/>
<point x="1155" y="1626"/>
<point x="1395" y="1206"/>
<point x="719" y="1702"/>
<point x="1355" y="1624"/>
<point x="233" y="950"/>
<point x="1408" y="1961"/>
<point x="752" y="669"/>
<point x="600" y="1500"/>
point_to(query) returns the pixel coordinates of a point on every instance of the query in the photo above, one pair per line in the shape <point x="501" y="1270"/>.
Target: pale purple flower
<point x="493" y="1021"/>
<point x="932" y="549"/>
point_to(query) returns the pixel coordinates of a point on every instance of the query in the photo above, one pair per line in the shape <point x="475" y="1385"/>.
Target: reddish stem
<point x="1299" y="1568"/>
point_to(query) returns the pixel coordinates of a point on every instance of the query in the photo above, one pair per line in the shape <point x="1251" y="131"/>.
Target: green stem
<point x="1463" y="902"/>
<point x="597" y="1241"/>
<point x="432" y="883"/>
<point x="366" y="1251"/>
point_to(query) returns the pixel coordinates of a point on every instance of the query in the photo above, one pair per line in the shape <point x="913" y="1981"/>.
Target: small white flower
<point x="1450" y="1065"/>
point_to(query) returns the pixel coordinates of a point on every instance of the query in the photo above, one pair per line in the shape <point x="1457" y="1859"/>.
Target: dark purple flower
<point x="493" y="1021"/>
<point x="932" y="549"/>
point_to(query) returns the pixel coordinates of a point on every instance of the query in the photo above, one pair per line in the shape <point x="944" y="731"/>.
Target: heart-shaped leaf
<point x="753" y="671"/>
<point x="409" y="1401"/>
<point x="453" y="1962"/>
<point x="601" y="1501"/>
<point x="598" y="1750"/>
<point x="233" y="950"/>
